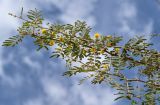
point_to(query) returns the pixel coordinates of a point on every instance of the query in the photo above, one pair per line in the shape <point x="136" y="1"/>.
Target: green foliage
<point x="100" y="58"/>
<point x="12" y="41"/>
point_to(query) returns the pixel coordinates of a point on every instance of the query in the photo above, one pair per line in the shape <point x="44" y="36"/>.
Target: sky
<point x="28" y="77"/>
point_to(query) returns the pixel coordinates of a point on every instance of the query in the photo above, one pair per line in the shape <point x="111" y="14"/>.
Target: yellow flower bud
<point x="97" y="35"/>
<point x="51" y="43"/>
<point x="93" y="50"/>
<point x="102" y="51"/>
<point x="53" y="34"/>
<point x="117" y="50"/>
<point x="61" y="39"/>
<point x="44" y="31"/>
<point x="106" y="66"/>
<point x="101" y="79"/>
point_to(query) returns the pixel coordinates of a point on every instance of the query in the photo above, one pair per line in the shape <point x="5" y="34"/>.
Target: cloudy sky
<point x="28" y="77"/>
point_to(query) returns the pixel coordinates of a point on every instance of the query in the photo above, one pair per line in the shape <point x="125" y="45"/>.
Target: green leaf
<point x="12" y="41"/>
<point x="119" y="98"/>
<point x="54" y="56"/>
<point x="133" y="102"/>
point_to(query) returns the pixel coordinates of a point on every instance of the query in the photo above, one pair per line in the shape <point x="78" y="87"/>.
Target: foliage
<point x="102" y="58"/>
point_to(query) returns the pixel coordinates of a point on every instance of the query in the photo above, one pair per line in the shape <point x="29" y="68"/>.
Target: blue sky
<point x="28" y="77"/>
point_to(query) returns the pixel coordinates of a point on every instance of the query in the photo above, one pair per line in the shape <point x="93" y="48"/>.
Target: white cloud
<point x="127" y="15"/>
<point x="33" y="64"/>
<point x="37" y="101"/>
<point x="94" y="95"/>
<point x="13" y="82"/>
<point x="8" y="24"/>
<point x="78" y="10"/>
<point x="72" y="10"/>
<point x="56" y="93"/>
